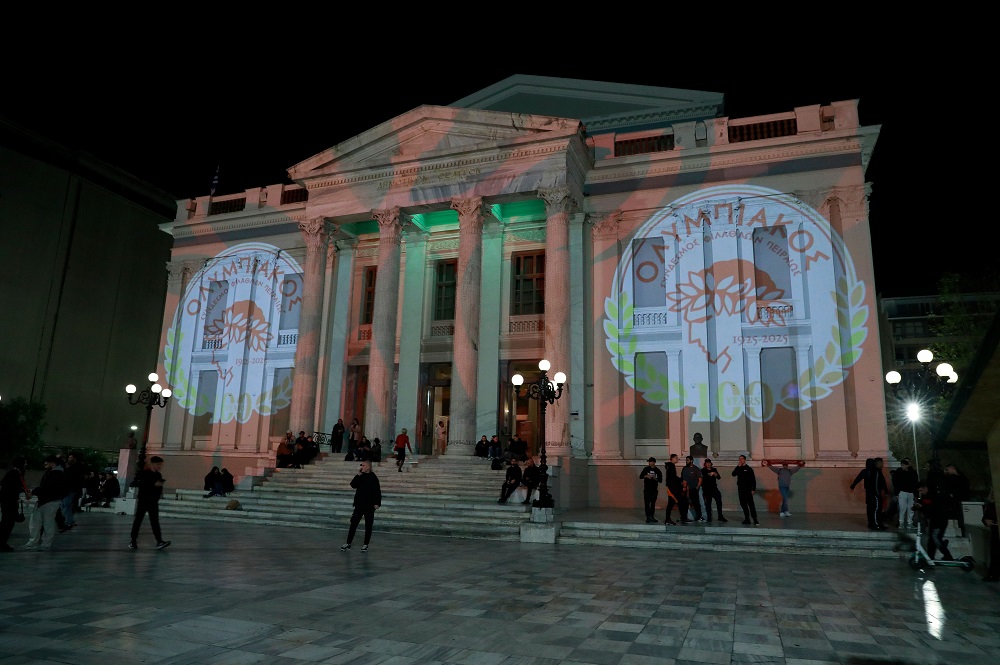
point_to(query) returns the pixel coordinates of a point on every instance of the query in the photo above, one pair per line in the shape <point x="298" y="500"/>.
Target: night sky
<point x="172" y="123"/>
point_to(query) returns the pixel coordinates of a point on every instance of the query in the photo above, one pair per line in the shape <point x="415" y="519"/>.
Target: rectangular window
<point x="770" y="260"/>
<point x="280" y="414"/>
<point x="204" y="406"/>
<point x="651" y="421"/>
<point x="529" y="283"/>
<point x="648" y="283"/>
<point x="368" y="297"/>
<point x="291" y="302"/>
<point x="215" y="307"/>
<point x="780" y="391"/>
<point x="446" y="281"/>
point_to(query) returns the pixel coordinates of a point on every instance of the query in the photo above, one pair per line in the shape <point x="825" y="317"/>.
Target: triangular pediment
<point x="431" y="133"/>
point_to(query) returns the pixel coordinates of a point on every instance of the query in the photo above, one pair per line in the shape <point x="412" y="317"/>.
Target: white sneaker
<point x="787" y="514"/>
<point x="782" y="514"/>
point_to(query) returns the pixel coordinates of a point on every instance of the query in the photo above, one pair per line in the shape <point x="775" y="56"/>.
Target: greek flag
<point x="215" y="182"/>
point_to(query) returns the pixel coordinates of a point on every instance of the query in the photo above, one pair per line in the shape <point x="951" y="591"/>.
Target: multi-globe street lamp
<point x="920" y="387"/>
<point x="546" y="392"/>
<point x="154" y="395"/>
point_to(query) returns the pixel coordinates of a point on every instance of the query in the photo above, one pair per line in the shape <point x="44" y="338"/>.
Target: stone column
<point x="411" y="335"/>
<point x="303" y="407"/>
<point x="558" y="204"/>
<point x="608" y="383"/>
<point x="465" y="362"/>
<point x="336" y="340"/>
<point x="382" y="353"/>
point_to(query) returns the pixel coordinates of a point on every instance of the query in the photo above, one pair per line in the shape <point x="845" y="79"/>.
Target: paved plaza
<point x="230" y="593"/>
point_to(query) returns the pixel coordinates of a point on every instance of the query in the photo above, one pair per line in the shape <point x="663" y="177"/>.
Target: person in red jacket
<point x="401" y="446"/>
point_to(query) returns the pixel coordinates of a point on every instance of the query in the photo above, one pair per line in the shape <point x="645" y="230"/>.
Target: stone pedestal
<point x="533" y="532"/>
<point x="127" y="457"/>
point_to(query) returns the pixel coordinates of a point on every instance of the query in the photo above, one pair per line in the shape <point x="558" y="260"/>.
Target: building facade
<point x="690" y="273"/>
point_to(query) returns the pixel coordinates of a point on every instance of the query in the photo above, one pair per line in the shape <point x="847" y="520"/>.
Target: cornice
<point x="242" y="223"/>
<point x="719" y="157"/>
<point x="653" y="116"/>
<point x="431" y="173"/>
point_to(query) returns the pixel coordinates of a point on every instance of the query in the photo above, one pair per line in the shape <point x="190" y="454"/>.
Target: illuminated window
<point x="291" y="301"/>
<point x="529" y="283"/>
<point x="368" y="306"/>
<point x="770" y="259"/>
<point x="648" y="283"/>
<point x="444" y="289"/>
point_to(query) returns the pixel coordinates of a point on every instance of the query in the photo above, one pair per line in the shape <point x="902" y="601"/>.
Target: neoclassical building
<point x="689" y="272"/>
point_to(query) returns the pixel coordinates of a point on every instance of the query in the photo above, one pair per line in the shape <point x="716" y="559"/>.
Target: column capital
<point x="606" y="226"/>
<point x="557" y="199"/>
<point x="390" y="224"/>
<point x="470" y="213"/>
<point x="316" y="231"/>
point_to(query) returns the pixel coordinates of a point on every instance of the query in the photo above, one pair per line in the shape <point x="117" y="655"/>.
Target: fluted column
<point x="558" y="204"/>
<point x="606" y="412"/>
<point x="315" y="231"/>
<point x="382" y="354"/>
<point x="465" y="363"/>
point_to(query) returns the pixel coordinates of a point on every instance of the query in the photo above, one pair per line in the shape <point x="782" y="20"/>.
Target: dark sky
<point x="171" y="123"/>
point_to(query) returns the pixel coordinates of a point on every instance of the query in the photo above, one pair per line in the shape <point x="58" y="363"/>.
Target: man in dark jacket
<point x="955" y="487"/>
<point x="692" y="475"/>
<point x="50" y="492"/>
<point x="367" y="499"/>
<point x="746" y="487"/>
<point x="337" y="438"/>
<point x="934" y="511"/>
<point x="530" y="478"/>
<point x="875" y="488"/>
<point x="511" y="482"/>
<point x="150" y="484"/>
<point x="904" y="485"/>
<point x="651" y="478"/>
<point x="10" y="495"/>
<point x="673" y="485"/>
<point x="73" y="478"/>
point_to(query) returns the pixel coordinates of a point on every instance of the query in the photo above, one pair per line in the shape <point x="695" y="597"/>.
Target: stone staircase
<point x="438" y="497"/>
<point x="864" y="544"/>
<point x="456" y="498"/>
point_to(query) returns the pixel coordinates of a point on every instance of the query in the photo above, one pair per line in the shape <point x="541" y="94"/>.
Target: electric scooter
<point x="921" y="561"/>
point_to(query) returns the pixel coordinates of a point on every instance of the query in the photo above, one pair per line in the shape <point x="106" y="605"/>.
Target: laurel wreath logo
<point x="266" y="403"/>
<point x="813" y="384"/>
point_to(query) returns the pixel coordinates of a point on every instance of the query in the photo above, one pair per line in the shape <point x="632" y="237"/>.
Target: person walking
<point x="746" y="487"/>
<point x="11" y="487"/>
<point x="710" y="489"/>
<point x="934" y="508"/>
<point x="785" y="474"/>
<point x="353" y="438"/>
<point x="73" y="480"/>
<point x="367" y="499"/>
<point x="337" y="437"/>
<point x="875" y="486"/>
<point x="904" y="486"/>
<point x="651" y="477"/>
<point x="401" y="446"/>
<point x="150" y="488"/>
<point x="956" y="486"/>
<point x="50" y="491"/>
<point x="673" y="485"/>
<point x="692" y="475"/>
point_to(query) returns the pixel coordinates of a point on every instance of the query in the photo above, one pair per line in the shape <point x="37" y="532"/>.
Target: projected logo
<point x="752" y="294"/>
<point x="216" y="348"/>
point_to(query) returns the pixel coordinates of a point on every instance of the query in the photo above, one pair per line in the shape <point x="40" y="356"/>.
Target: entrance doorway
<point x="522" y="414"/>
<point x="435" y="404"/>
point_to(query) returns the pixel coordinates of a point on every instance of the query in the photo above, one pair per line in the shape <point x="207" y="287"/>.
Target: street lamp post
<point x="920" y="387"/>
<point x="154" y="395"/>
<point x="543" y="390"/>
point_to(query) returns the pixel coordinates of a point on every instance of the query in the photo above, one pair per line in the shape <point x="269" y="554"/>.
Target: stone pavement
<point x="226" y="593"/>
